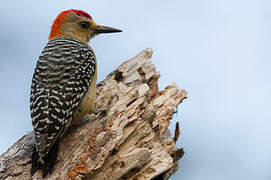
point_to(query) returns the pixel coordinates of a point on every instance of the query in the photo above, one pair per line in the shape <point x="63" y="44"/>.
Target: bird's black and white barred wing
<point x="61" y="79"/>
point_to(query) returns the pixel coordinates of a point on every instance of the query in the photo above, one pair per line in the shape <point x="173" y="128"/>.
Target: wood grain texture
<point x="130" y="140"/>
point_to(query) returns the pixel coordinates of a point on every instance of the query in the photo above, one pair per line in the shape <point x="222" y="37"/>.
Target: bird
<point x="63" y="87"/>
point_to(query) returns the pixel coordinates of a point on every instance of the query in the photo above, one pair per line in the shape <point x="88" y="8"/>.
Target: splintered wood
<point x="129" y="140"/>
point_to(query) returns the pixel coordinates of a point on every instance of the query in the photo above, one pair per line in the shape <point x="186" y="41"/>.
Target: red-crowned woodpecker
<point x="63" y="87"/>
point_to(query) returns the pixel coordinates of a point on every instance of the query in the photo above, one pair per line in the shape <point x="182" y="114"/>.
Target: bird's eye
<point x="84" y="24"/>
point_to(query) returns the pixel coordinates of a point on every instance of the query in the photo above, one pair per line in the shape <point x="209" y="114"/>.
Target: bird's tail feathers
<point x="44" y="162"/>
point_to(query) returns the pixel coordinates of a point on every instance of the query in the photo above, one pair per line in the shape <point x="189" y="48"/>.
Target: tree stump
<point x="130" y="140"/>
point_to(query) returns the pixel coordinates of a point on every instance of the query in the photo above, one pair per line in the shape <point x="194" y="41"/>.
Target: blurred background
<point x="217" y="50"/>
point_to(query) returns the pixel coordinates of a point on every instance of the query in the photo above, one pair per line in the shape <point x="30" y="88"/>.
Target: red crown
<point x="81" y="13"/>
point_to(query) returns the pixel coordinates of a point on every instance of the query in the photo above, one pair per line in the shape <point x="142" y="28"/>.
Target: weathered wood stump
<point x="130" y="140"/>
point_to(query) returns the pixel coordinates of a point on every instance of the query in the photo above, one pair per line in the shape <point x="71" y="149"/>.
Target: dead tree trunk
<point x="129" y="141"/>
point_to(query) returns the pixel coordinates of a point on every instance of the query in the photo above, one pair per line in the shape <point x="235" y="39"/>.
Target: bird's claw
<point x="99" y="112"/>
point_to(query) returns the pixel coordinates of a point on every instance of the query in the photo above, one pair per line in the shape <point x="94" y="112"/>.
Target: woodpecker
<point x="63" y="87"/>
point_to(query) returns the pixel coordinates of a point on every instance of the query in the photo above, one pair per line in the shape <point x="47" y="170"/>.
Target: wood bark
<point x="128" y="140"/>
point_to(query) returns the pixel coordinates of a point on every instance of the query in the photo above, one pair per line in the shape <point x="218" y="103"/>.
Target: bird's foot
<point x="111" y="99"/>
<point x="103" y="112"/>
<point x="99" y="113"/>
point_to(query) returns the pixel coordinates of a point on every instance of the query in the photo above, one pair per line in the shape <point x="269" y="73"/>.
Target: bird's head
<point x="77" y="24"/>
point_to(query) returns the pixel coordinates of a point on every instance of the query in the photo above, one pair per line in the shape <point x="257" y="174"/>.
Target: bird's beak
<point x="104" y="29"/>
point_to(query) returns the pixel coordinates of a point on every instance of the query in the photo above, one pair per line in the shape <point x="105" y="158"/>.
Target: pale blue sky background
<point x="218" y="50"/>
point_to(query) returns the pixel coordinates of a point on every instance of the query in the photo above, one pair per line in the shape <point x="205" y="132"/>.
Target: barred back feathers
<point x="62" y="76"/>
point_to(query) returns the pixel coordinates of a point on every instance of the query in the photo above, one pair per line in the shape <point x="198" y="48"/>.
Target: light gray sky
<point x="218" y="50"/>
